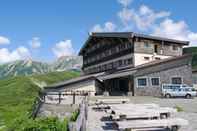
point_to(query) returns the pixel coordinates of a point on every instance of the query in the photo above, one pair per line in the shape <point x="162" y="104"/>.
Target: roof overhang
<point x="124" y="73"/>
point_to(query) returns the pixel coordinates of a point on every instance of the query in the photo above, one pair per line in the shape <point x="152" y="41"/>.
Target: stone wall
<point x="165" y="78"/>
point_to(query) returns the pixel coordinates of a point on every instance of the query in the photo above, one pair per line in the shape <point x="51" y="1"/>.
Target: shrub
<point x="75" y="115"/>
<point x="39" y="124"/>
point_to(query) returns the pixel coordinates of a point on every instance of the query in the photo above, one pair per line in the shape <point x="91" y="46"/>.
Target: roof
<point x="157" y="62"/>
<point x="71" y="81"/>
<point x="129" y="35"/>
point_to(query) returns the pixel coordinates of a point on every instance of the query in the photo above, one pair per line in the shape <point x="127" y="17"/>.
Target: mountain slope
<point x="29" y="67"/>
<point x="193" y="51"/>
<point x="18" y="93"/>
<point x="67" y="63"/>
<point x="23" y="67"/>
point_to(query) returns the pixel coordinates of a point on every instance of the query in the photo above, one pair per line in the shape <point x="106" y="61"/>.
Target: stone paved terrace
<point x="96" y="119"/>
<point x="62" y="110"/>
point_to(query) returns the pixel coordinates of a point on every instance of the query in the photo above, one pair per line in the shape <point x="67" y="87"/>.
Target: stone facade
<point x="165" y="78"/>
<point x="147" y="47"/>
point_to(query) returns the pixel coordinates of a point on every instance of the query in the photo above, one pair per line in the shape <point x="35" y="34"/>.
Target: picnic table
<point x="140" y="117"/>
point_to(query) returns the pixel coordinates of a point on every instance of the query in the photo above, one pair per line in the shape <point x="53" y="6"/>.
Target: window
<point x="155" y="81"/>
<point x="115" y="64"/>
<point x="157" y="58"/>
<point x="125" y="62"/>
<point x="107" y="53"/>
<point x="142" y="82"/>
<point x="146" y="45"/>
<point x="175" y="48"/>
<point x="130" y="61"/>
<point x="146" y="58"/>
<point x="113" y="50"/>
<point x="155" y="48"/>
<point x="176" y="80"/>
<point x="120" y="62"/>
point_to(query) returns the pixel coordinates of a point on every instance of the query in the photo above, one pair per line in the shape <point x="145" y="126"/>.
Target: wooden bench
<point x="138" y="112"/>
<point x="103" y="104"/>
<point x="131" y="106"/>
<point x="112" y="101"/>
<point x="146" y="124"/>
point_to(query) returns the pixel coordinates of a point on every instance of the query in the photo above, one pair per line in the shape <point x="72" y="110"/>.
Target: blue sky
<point x="47" y="29"/>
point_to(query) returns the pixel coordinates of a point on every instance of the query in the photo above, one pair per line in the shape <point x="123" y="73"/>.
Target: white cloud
<point x="125" y="3"/>
<point x="108" y="27"/>
<point x="35" y="43"/>
<point x="17" y="54"/>
<point x="63" y="48"/>
<point x="4" y="40"/>
<point x="149" y="21"/>
<point x="126" y="15"/>
<point x="175" y="30"/>
<point x="143" y="19"/>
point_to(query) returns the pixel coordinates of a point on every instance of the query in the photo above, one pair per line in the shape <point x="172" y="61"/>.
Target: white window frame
<point x="152" y="83"/>
<point x="176" y="77"/>
<point x="138" y="86"/>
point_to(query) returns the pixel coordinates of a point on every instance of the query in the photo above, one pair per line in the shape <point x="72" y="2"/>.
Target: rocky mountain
<point x="67" y="63"/>
<point x="29" y="67"/>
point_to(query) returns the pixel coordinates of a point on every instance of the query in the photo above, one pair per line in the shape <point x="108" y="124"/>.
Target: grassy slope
<point x="18" y="93"/>
<point x="193" y="51"/>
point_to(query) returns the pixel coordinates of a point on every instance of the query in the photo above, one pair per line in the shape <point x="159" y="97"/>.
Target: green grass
<point x="39" y="124"/>
<point x="17" y="94"/>
<point x="179" y="109"/>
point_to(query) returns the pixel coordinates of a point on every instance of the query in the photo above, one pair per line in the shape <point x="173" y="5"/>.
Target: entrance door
<point x="123" y="85"/>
